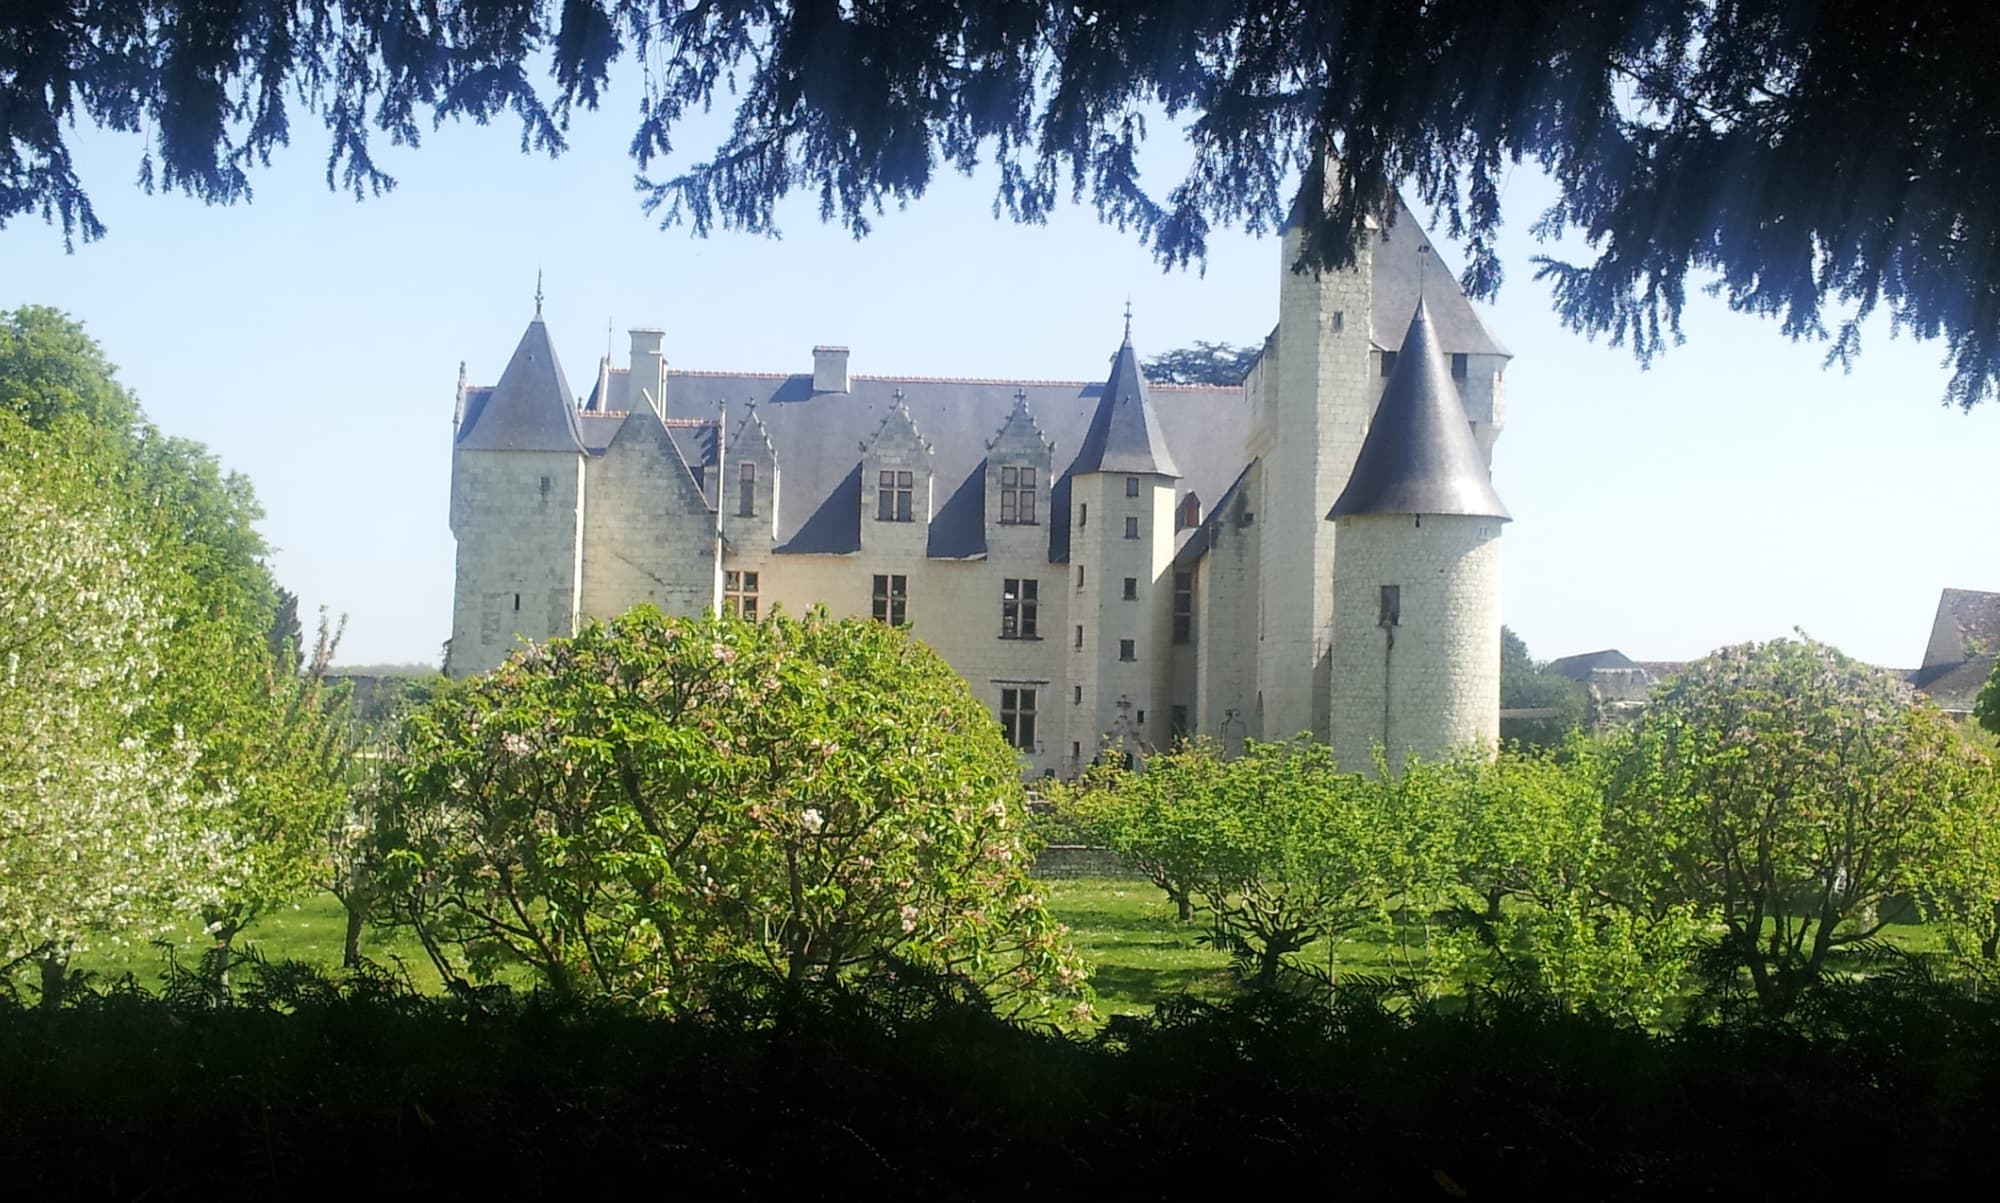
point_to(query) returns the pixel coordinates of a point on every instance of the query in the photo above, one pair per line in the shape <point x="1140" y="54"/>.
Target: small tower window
<point x="1388" y="363"/>
<point x="1082" y="515"/>
<point x="1079" y="635"/>
<point x="1392" y="606"/>
<point x="1131" y="588"/>
<point x="1132" y="526"/>
<point x="1076" y="695"/>
<point x="1128" y="649"/>
<point x="1131" y="486"/>
<point x="1079" y="578"/>
<point x="1459" y="362"/>
<point x="517" y="602"/>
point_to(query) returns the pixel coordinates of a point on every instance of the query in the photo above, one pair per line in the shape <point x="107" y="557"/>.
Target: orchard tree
<point x="104" y="833"/>
<point x="1986" y="707"/>
<point x="625" y="812"/>
<point x="1160" y="821"/>
<point x="1819" y="160"/>
<point x="1533" y="837"/>
<point x="266" y="738"/>
<point x="1793" y="794"/>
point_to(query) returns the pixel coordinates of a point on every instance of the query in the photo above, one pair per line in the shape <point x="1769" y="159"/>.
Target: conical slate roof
<point x="1419" y="456"/>
<point x="1124" y="434"/>
<point x="531" y="409"/>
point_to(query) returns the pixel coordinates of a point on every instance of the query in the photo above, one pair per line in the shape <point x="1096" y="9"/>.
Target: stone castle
<point x="1110" y="565"/>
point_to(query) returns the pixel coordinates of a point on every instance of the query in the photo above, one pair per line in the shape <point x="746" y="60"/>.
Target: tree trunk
<point x="55" y="977"/>
<point x="1183" y="905"/>
<point x="1493" y="898"/>
<point x="350" y="949"/>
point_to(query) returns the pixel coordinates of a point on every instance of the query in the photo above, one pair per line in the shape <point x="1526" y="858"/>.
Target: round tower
<point x="1416" y="575"/>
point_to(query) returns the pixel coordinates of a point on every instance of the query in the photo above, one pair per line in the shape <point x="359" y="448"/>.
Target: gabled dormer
<point x="896" y="481"/>
<point x="1019" y="472"/>
<point x="749" y="501"/>
<point x="649" y="527"/>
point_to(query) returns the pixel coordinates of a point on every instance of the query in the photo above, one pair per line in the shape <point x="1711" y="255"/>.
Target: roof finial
<point x="1128" y="317"/>
<point x="538" y="294"/>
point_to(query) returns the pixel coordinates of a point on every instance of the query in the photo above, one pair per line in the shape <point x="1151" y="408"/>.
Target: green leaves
<point x="625" y="812"/>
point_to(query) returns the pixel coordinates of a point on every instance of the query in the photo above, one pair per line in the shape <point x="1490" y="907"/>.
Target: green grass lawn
<point x="1125" y="928"/>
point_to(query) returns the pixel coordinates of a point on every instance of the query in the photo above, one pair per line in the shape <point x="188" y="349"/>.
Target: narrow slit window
<point x="746" y="491"/>
<point x="1392" y="606"/>
<point x="1131" y="588"/>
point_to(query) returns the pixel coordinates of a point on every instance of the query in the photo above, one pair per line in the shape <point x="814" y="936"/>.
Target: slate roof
<point x="1954" y="687"/>
<point x="1975" y="614"/>
<point x="1579" y="667"/>
<point x="1419" y="456"/>
<point x="531" y="409"/>
<point x="1124" y="434"/>
<point x="817" y="440"/>
<point x="1406" y="269"/>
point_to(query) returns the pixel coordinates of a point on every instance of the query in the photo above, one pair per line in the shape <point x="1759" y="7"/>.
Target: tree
<point x="1529" y="684"/>
<point x="1203" y="363"/>
<point x="627" y="812"/>
<point x="1811" y="155"/>
<point x="265" y="740"/>
<point x="103" y="834"/>
<point x="1793" y="793"/>
<point x="1986" y="707"/>
<point x="1159" y="822"/>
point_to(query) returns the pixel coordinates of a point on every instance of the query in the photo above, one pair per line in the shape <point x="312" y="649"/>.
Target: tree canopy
<point x="1818" y="159"/>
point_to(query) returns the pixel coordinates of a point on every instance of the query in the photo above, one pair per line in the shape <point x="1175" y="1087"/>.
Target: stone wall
<point x="518" y="517"/>
<point x="648" y="534"/>
<point x="1435" y="686"/>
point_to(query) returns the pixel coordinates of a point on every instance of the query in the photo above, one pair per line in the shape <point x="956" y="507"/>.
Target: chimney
<point x="649" y="372"/>
<point x="829" y="369"/>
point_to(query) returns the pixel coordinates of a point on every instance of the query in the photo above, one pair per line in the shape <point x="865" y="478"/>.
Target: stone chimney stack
<point x="649" y="372"/>
<point x="829" y="369"/>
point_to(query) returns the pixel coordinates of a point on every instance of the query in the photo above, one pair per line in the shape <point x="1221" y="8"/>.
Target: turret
<point x="1416" y="574"/>
<point x="1122" y="486"/>
<point x="517" y="499"/>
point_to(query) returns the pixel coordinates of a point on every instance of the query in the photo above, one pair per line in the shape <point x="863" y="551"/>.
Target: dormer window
<point x="892" y="495"/>
<point x="1460" y="365"/>
<point x="1190" y="513"/>
<point x="1017" y="496"/>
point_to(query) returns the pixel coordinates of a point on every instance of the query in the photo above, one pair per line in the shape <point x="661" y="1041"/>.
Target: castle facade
<point x="1110" y="564"/>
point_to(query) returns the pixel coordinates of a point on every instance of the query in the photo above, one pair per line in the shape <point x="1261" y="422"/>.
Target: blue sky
<point x="1734" y="491"/>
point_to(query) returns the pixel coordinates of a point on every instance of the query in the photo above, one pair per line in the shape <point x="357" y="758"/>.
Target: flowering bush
<point x="102" y="834"/>
<point x="625" y="811"/>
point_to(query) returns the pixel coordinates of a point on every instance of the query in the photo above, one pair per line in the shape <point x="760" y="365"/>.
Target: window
<point x="1183" y="607"/>
<point x="1131" y="486"/>
<point x="517" y="602"/>
<point x="1131" y="588"/>
<point x="1082" y="515"/>
<point x="1075" y="751"/>
<point x="1132" y="526"/>
<point x="1458" y="365"/>
<point x="1017" y="496"/>
<point x="1079" y="635"/>
<point x="739" y="594"/>
<point x="1018" y="602"/>
<point x="1190" y="513"/>
<point x="1392" y="606"/>
<point x="1142" y="718"/>
<point x="891" y="602"/>
<point x="1127" y="650"/>
<point x="1079" y="578"/>
<point x="892" y="495"/>
<point x="746" y="491"/>
<point x="1017" y="718"/>
<point x="1388" y="362"/>
<point x="1076" y="695"/>
<point x="1179" y="718"/>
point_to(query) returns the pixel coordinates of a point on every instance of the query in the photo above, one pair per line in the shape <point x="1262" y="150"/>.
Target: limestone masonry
<point x="1110" y="566"/>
